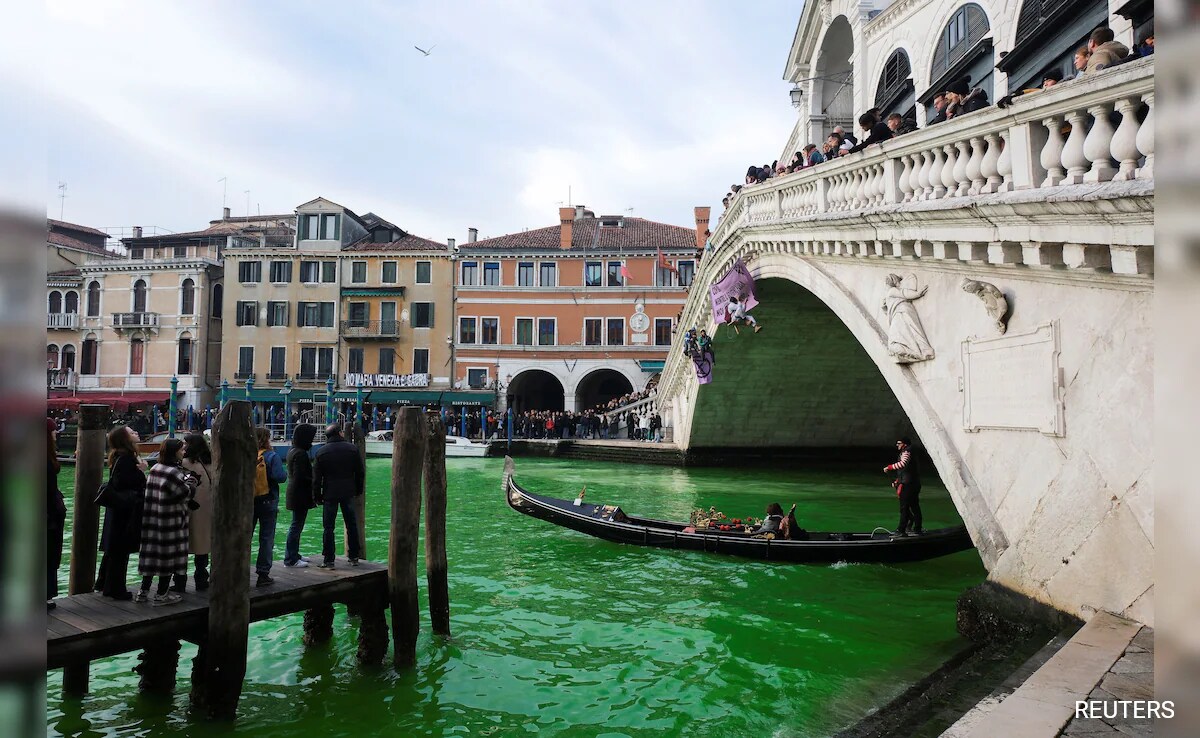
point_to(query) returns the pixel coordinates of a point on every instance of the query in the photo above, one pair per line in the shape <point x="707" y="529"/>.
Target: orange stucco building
<point x="571" y="315"/>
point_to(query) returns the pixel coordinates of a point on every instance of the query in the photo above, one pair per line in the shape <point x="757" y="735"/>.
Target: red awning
<point x="61" y="399"/>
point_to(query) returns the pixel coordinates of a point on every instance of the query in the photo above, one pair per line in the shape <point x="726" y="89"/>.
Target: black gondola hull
<point x="822" y="548"/>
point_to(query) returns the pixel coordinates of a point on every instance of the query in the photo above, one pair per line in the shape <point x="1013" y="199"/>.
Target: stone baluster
<point x="1052" y="153"/>
<point x="874" y="179"/>
<point x="933" y="178"/>
<point x="924" y="189"/>
<point x="963" y="182"/>
<point x="905" y="183"/>
<point x="862" y="187"/>
<point x="1004" y="165"/>
<point x="852" y="189"/>
<point x="948" y="182"/>
<point x="1073" y="158"/>
<point x="975" y="167"/>
<point x="989" y="167"/>
<point x="883" y="171"/>
<point x="1145" y="139"/>
<point x="833" y="184"/>
<point x="1124" y="142"/>
<point x="1097" y="147"/>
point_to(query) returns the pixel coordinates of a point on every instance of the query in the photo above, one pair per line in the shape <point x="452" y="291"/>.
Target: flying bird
<point x="423" y="51"/>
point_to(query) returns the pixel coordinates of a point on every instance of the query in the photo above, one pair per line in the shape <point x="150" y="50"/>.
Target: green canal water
<point x="559" y="634"/>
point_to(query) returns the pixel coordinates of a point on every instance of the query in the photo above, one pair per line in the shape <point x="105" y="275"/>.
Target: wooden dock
<point x="86" y="627"/>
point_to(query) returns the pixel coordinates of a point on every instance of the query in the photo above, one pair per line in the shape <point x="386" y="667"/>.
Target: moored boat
<point x="379" y="443"/>
<point x="613" y="524"/>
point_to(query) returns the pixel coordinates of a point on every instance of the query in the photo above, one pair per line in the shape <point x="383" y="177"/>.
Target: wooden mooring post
<point x="435" y="527"/>
<point x="408" y="457"/>
<point x="222" y="655"/>
<point x="85" y="528"/>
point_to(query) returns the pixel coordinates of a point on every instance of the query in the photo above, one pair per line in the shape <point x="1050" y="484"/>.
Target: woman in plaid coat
<point x="165" y="529"/>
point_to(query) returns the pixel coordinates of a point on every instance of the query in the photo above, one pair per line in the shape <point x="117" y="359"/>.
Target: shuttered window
<point x="895" y="78"/>
<point x="967" y="26"/>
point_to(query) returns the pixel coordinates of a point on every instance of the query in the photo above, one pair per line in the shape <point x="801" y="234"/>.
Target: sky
<point x="520" y="107"/>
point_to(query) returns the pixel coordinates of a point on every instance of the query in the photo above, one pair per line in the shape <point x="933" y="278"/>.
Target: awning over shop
<point x="468" y="398"/>
<point x="60" y="399"/>
<point x="651" y="365"/>
<point x="390" y="397"/>
<point x="268" y="394"/>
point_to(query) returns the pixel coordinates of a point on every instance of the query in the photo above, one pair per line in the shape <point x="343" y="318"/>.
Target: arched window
<point x="183" y="365"/>
<point x="187" y="297"/>
<point x="967" y="27"/>
<point x="72" y="302"/>
<point x="218" y="293"/>
<point x="68" y="357"/>
<point x="93" y="300"/>
<point x="137" y="356"/>
<point x="139" y="296"/>
<point x="52" y="356"/>
<point x="90" y="358"/>
<point x="55" y="302"/>
<point x="895" y="91"/>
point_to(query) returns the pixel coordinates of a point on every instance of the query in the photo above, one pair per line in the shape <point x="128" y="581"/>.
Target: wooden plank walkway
<point x="89" y="626"/>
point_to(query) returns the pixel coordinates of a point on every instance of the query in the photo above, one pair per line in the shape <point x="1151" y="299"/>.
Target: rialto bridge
<point x="1015" y="341"/>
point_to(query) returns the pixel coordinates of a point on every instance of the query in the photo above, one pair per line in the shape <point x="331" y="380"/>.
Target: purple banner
<point x="703" y="367"/>
<point x="738" y="283"/>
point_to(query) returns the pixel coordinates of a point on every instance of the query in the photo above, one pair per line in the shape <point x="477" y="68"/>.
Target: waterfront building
<point x="571" y="315"/>
<point x="351" y="298"/>
<point x="68" y="245"/>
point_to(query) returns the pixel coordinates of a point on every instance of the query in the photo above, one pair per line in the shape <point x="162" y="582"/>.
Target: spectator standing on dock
<point x="56" y="513"/>
<point x="164" y="544"/>
<point x="299" y="491"/>
<point x="266" y="504"/>
<point x="197" y="459"/>
<point x="908" y="488"/>
<point x="122" y="530"/>
<point x="338" y="476"/>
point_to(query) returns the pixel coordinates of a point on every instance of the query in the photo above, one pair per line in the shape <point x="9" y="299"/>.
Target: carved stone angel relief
<point x="993" y="301"/>
<point x="906" y="341"/>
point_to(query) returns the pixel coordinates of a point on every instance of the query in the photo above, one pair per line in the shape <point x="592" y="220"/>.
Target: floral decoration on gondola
<point x="714" y="519"/>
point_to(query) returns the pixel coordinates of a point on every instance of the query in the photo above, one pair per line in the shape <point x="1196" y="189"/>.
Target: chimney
<point x="450" y="243"/>
<point x="472" y="235"/>
<point x="701" y="226"/>
<point x="137" y="231"/>
<point x="566" y="223"/>
<point x="224" y="213"/>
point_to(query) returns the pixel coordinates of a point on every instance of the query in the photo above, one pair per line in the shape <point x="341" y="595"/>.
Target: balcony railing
<point x="243" y="375"/>
<point x="60" y="379"/>
<point x="135" y="320"/>
<point x="370" y="328"/>
<point x="70" y="321"/>
<point x="312" y="377"/>
<point x="276" y="377"/>
<point x="1089" y="131"/>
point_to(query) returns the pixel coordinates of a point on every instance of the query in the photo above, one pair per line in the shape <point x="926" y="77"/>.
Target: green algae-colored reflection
<point x="559" y="634"/>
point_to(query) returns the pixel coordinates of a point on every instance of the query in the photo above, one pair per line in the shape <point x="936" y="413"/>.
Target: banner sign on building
<point x="386" y="380"/>
<point x="738" y="283"/>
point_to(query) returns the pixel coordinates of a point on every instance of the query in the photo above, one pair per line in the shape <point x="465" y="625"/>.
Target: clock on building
<point x="639" y="322"/>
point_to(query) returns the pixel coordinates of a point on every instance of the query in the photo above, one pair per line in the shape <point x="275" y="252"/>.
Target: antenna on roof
<point x="224" y="190"/>
<point x="629" y="210"/>
<point x="62" y="199"/>
<point x="247" y="203"/>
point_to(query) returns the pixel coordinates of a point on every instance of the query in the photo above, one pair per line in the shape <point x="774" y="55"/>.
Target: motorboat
<point x="379" y="444"/>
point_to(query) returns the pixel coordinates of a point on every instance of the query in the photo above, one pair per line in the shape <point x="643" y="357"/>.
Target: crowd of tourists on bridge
<point x="163" y="511"/>
<point x="592" y="424"/>
<point x="958" y="98"/>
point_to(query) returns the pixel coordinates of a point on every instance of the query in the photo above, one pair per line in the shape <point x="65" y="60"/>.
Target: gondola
<point x="612" y="524"/>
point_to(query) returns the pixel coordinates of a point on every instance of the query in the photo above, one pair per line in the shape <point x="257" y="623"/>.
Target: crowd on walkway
<point x="588" y="424"/>
<point x="163" y="512"/>
<point x="958" y="98"/>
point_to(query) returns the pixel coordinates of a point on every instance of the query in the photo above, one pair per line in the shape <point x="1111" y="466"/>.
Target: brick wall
<point x="803" y="381"/>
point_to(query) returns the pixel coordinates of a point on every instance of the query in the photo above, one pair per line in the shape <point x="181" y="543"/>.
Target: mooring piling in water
<point x="359" y="503"/>
<point x="223" y="652"/>
<point x="435" y="527"/>
<point x="408" y="458"/>
<point x="85" y="528"/>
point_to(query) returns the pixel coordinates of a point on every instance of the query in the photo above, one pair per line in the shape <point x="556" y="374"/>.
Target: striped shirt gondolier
<point x="165" y="530"/>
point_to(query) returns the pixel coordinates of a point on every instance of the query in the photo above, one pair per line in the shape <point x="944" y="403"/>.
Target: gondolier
<point x="908" y="488"/>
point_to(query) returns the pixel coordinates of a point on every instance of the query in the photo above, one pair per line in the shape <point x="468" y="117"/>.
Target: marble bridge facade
<point x="1036" y="405"/>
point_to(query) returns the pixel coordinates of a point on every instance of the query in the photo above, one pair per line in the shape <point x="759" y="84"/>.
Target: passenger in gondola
<point x="773" y="521"/>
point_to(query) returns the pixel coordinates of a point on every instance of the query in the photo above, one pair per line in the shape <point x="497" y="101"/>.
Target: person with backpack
<point x="268" y="473"/>
<point x="339" y="475"/>
<point x="299" y="491"/>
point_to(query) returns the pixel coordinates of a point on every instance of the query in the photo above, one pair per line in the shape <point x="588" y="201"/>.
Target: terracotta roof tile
<point x="75" y="227"/>
<point x="64" y="274"/>
<point x="407" y="242"/>
<point x="587" y="234"/>
<point x="60" y="239"/>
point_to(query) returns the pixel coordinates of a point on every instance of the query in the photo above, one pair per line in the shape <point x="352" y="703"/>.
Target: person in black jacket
<point x="962" y="99"/>
<point x="122" y="531"/>
<point x="299" y="491"/>
<point x="56" y="514"/>
<point x="908" y="488"/>
<point x="877" y="131"/>
<point x="339" y="475"/>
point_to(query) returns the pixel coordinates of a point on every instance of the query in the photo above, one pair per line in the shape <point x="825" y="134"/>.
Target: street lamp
<point x="329" y="400"/>
<point x="224" y="392"/>
<point x="797" y="95"/>
<point x="171" y="408"/>
<point x="287" y="408"/>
